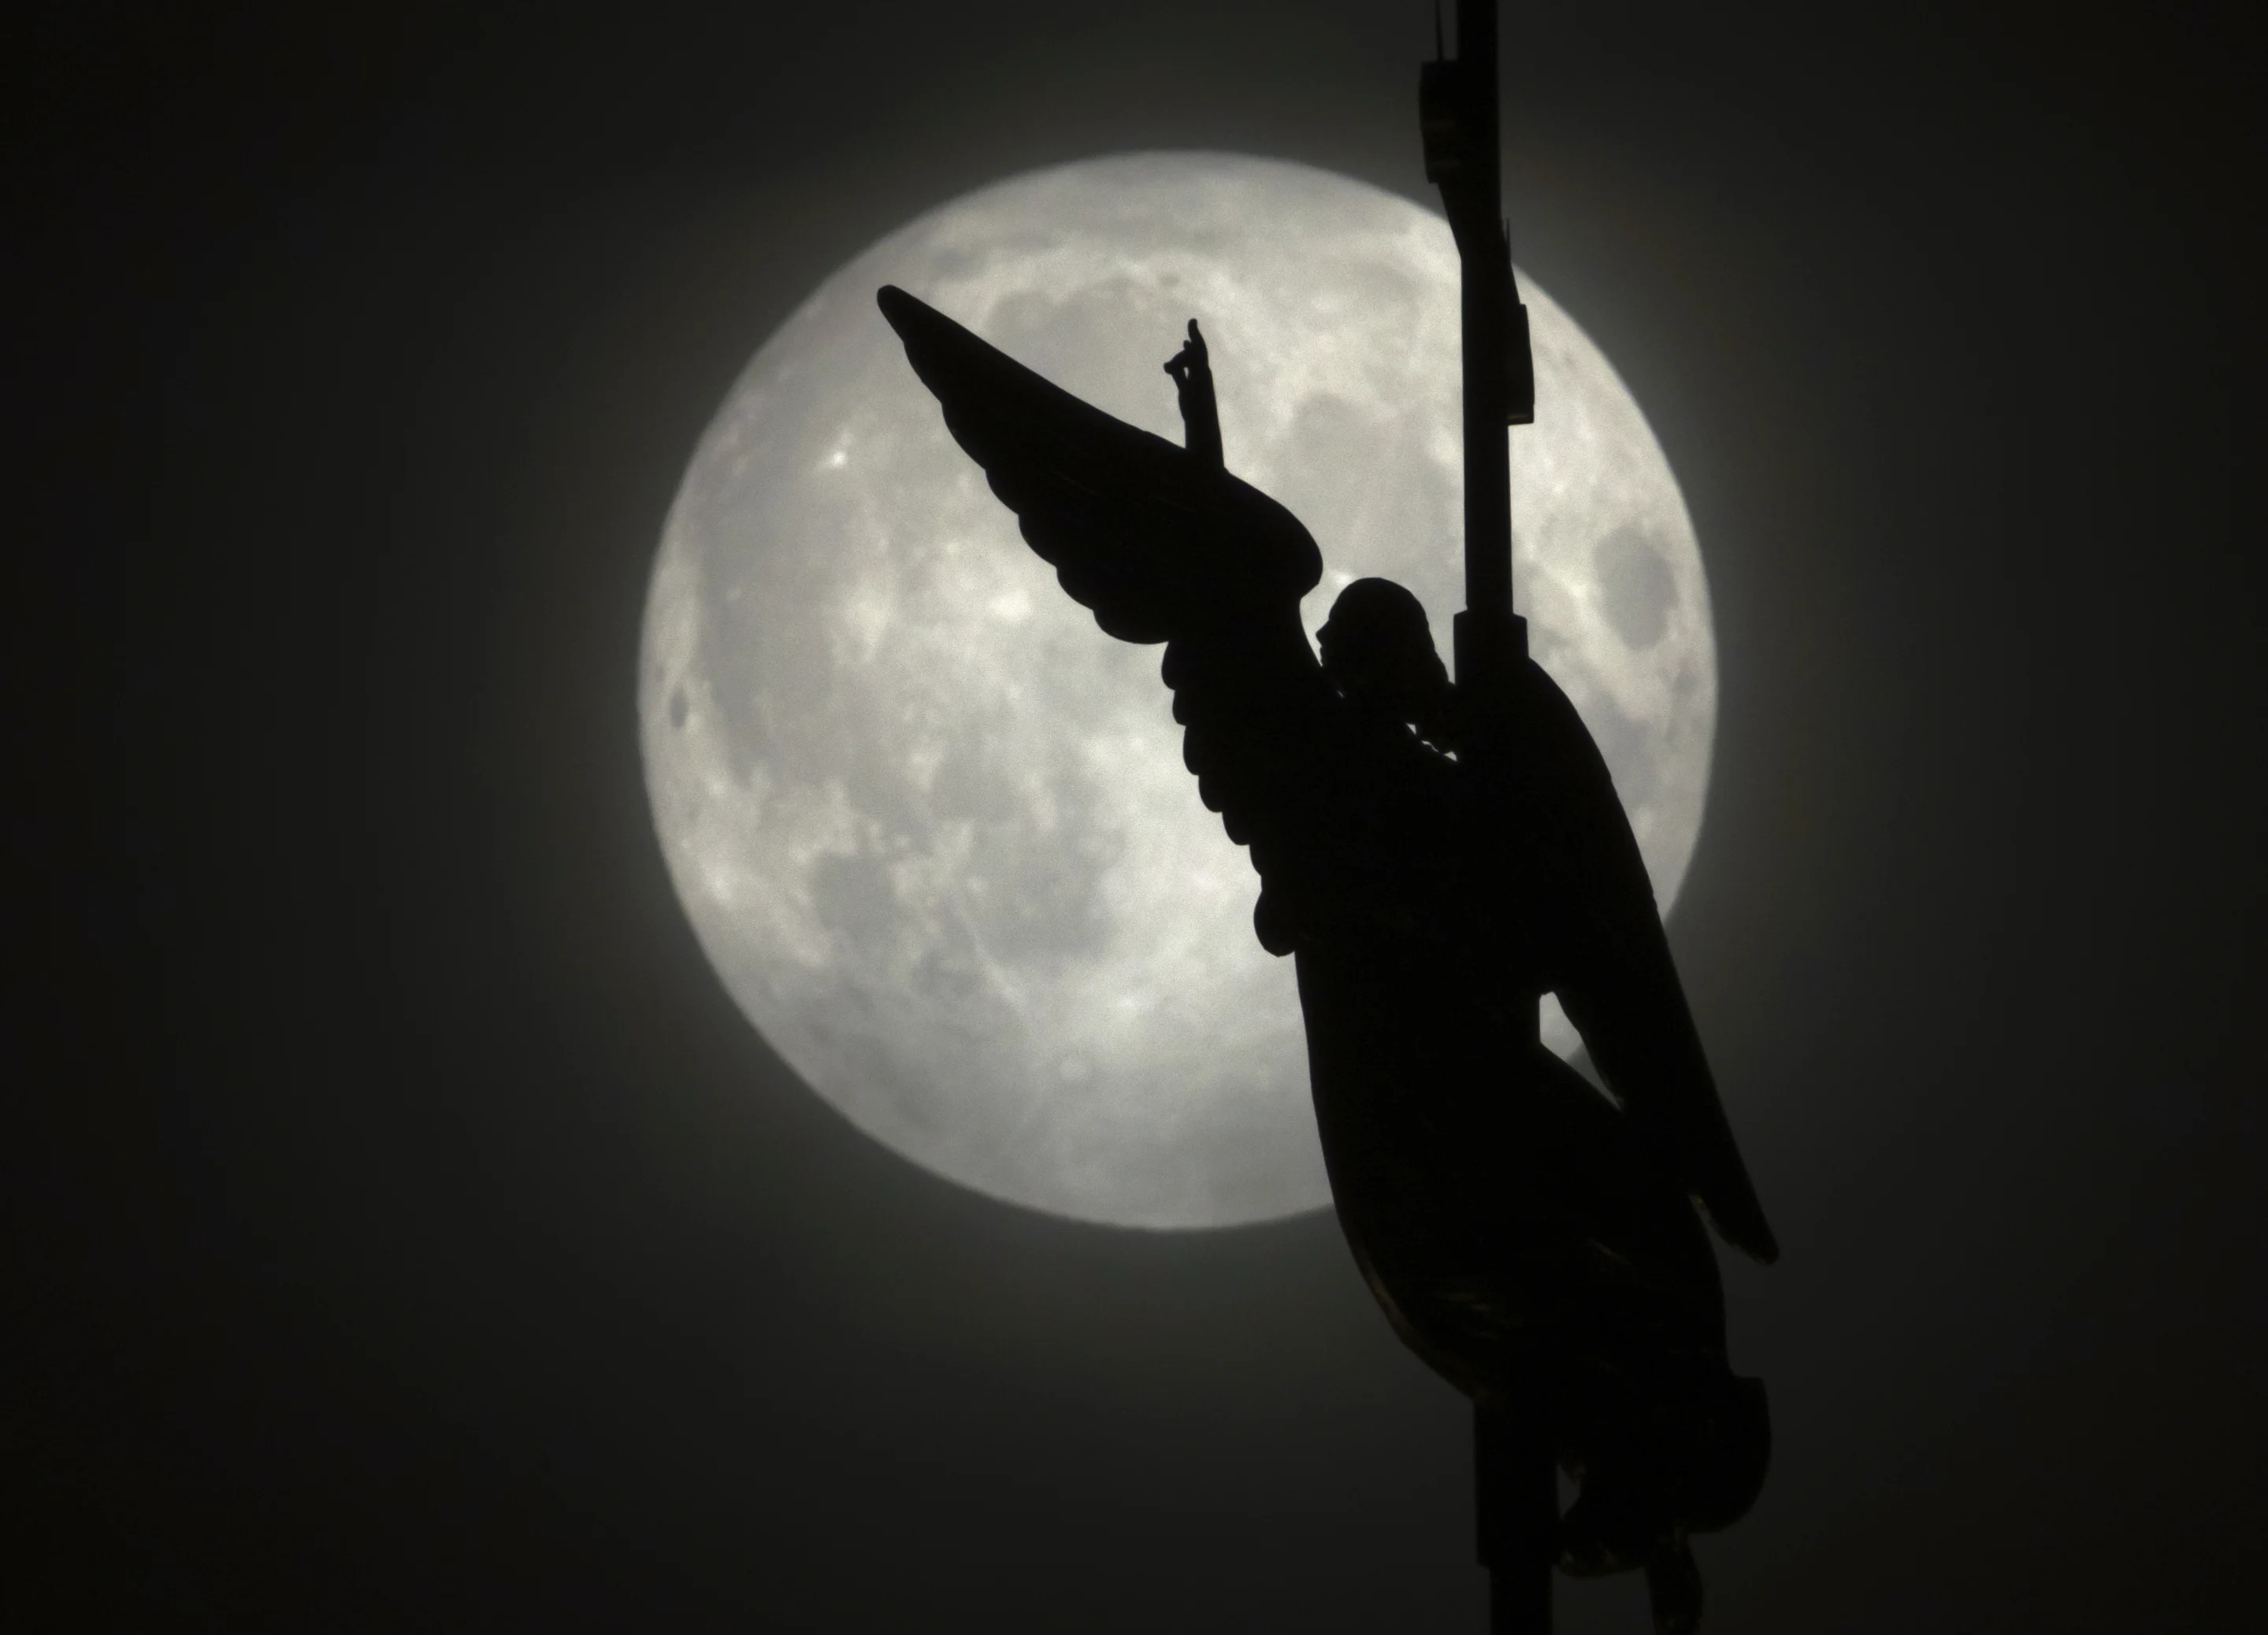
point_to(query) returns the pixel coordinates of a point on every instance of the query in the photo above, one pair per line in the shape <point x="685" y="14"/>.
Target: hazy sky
<point x="412" y="1234"/>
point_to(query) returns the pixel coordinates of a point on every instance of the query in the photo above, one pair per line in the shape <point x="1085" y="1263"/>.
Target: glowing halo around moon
<point x="931" y="825"/>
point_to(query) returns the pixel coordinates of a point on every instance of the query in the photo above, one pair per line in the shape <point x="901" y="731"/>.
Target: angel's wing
<point x="1161" y="547"/>
<point x="1155" y="542"/>
<point x="1617" y="982"/>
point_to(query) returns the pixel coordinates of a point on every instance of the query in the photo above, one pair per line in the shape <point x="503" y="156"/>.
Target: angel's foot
<point x="1621" y="1518"/>
<point x="1673" y="1584"/>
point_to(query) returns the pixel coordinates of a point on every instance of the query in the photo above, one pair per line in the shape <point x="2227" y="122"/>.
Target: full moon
<point x="931" y="825"/>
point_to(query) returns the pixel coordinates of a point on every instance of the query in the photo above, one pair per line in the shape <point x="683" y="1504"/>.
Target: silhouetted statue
<point x="1533" y="1241"/>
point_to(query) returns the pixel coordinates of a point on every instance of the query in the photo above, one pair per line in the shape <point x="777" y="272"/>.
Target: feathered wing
<point x="1618" y="984"/>
<point x="1160" y="547"/>
<point x="1152" y="540"/>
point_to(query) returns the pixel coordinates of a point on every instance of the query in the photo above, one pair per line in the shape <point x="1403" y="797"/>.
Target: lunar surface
<point x="931" y="825"/>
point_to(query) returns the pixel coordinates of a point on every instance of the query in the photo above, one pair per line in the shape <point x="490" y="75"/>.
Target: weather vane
<point x="1436" y="856"/>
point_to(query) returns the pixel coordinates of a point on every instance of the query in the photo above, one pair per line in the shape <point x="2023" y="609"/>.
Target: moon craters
<point x="1636" y="587"/>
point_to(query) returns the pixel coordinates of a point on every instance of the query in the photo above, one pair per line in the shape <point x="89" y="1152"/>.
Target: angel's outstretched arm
<point x="1192" y="373"/>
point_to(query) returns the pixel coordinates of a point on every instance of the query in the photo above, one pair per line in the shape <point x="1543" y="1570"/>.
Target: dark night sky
<point x="407" y="1231"/>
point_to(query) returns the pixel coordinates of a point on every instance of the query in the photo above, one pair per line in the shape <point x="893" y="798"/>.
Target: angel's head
<point x="1378" y="651"/>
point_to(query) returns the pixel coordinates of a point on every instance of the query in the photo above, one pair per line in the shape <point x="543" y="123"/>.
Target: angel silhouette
<point x="1535" y="1242"/>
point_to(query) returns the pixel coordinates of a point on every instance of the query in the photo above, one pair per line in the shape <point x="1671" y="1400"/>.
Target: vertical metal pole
<point x="1516" y="1514"/>
<point x="1482" y="251"/>
<point x="1515" y="1467"/>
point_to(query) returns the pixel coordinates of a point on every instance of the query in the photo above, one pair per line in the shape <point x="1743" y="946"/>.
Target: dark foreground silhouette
<point x="1533" y="1241"/>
